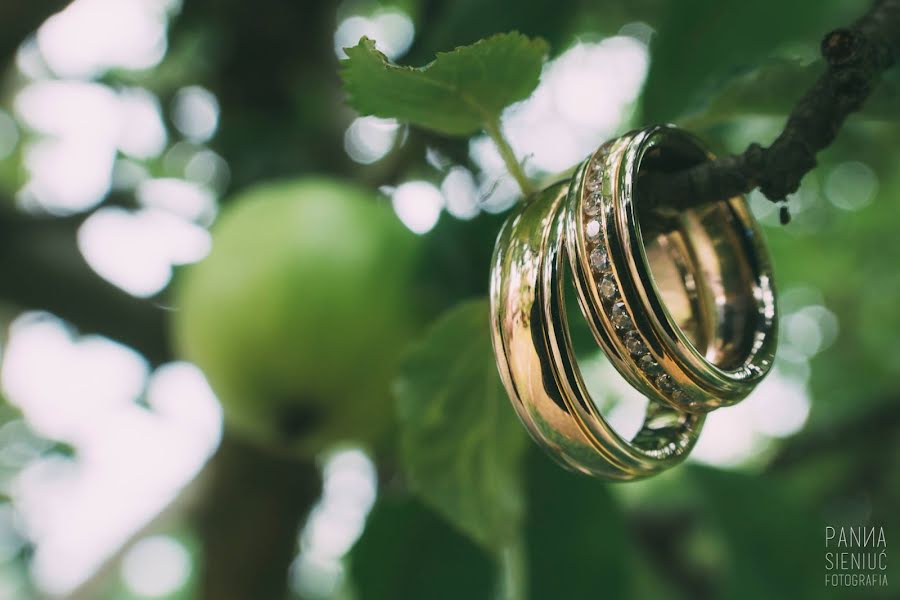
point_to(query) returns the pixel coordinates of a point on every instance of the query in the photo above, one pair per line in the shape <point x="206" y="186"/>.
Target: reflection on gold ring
<point x="688" y="318"/>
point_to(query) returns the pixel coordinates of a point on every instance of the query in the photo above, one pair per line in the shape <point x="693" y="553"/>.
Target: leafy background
<point x="457" y="502"/>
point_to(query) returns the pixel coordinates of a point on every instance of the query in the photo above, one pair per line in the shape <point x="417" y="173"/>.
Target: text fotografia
<point x="855" y="557"/>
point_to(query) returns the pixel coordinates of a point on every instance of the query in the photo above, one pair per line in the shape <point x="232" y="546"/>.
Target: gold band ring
<point x="689" y="319"/>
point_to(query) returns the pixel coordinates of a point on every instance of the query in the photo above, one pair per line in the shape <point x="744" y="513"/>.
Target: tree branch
<point x="855" y="58"/>
<point x="248" y="517"/>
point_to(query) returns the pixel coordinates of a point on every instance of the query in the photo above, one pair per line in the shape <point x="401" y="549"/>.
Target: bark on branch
<point x="855" y="58"/>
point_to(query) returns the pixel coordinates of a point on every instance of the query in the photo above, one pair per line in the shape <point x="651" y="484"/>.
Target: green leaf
<point x="461" y="442"/>
<point x="700" y="42"/>
<point x="456" y="94"/>
<point x="774" y="88"/>
<point x="406" y="551"/>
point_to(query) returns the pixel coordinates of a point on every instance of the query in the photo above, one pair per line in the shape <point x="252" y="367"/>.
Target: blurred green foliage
<point x="705" y="40"/>
<point x="409" y="552"/>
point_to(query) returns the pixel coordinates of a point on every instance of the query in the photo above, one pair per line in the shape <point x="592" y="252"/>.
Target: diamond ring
<point x="685" y="313"/>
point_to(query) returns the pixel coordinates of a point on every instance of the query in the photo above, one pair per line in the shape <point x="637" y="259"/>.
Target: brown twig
<point x="855" y="59"/>
<point x="249" y="517"/>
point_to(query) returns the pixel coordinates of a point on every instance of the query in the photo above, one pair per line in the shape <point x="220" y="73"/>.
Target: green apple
<point x="300" y="313"/>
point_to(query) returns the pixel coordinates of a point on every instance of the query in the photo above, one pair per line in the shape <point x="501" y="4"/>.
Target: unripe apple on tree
<point x="300" y="313"/>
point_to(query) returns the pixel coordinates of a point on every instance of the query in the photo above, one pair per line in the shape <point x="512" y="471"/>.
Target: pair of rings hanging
<point x="684" y="312"/>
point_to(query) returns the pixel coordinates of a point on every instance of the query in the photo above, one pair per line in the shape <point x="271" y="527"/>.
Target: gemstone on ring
<point x="620" y="317"/>
<point x="665" y="383"/>
<point x="607" y="287"/>
<point x="599" y="259"/>
<point x="634" y="343"/>
<point x="592" y="230"/>
<point x="593" y="204"/>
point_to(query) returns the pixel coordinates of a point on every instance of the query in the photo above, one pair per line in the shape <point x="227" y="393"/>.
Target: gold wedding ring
<point x="685" y="314"/>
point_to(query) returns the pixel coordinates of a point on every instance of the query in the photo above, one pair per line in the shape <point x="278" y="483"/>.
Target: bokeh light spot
<point x="207" y="168"/>
<point x="851" y="185"/>
<point x="142" y="134"/>
<point x="128" y="462"/>
<point x="582" y="98"/>
<point x="156" y="566"/>
<point x="187" y="199"/>
<point x="738" y="434"/>
<point x="195" y="112"/>
<point x="135" y="250"/>
<point x="59" y="382"/>
<point x="460" y="193"/>
<point x="335" y="523"/>
<point x="88" y="37"/>
<point x="368" y="139"/>
<point x="392" y="30"/>
<point x="418" y="204"/>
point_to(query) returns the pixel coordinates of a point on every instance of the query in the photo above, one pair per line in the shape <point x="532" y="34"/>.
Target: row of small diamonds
<point x="597" y="185"/>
